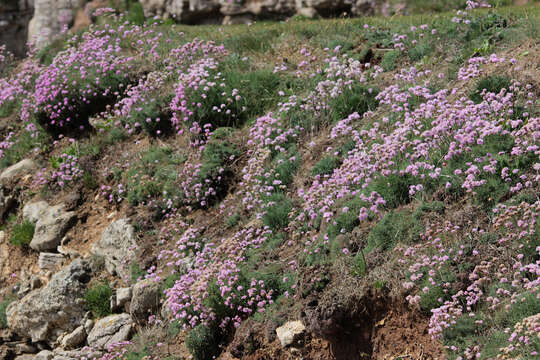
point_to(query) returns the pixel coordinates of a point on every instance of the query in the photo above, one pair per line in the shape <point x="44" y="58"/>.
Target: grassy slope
<point x="267" y="45"/>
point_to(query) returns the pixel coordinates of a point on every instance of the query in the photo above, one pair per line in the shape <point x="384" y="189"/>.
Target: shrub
<point x="278" y="207"/>
<point x="396" y="226"/>
<point x="22" y="234"/>
<point x="326" y="166"/>
<point x="203" y="343"/>
<point x="493" y="84"/>
<point x="98" y="300"/>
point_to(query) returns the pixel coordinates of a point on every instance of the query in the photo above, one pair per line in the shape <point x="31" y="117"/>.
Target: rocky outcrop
<point x="200" y="11"/>
<point x="46" y="313"/>
<point x="110" y="330"/>
<point x="145" y="300"/>
<point x="116" y="246"/>
<point x="52" y="222"/>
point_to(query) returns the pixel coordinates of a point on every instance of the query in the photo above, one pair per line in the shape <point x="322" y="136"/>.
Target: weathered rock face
<point x="109" y="330"/>
<point x="50" y="18"/>
<point x="14" y="18"/>
<point x="52" y="222"/>
<point x="116" y="245"/>
<point x="44" y="314"/>
<point x="199" y="11"/>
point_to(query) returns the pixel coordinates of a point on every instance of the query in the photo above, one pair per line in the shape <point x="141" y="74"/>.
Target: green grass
<point x="396" y="226"/>
<point x="98" y="300"/>
<point x="22" y="234"/>
<point x="326" y="166"/>
<point x="277" y="213"/>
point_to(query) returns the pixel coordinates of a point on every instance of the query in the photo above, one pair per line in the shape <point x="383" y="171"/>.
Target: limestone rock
<point x="15" y="171"/>
<point x="109" y="330"/>
<point x="52" y="222"/>
<point x="44" y="314"/>
<point x="50" y="261"/>
<point x="145" y="300"/>
<point x="116" y="245"/>
<point x="74" y="339"/>
<point x="290" y="332"/>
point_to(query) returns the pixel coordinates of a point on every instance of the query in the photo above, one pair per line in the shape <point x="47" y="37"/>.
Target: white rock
<point x="290" y="332"/>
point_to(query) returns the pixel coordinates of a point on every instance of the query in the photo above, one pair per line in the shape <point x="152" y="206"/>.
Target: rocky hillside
<point x="349" y="188"/>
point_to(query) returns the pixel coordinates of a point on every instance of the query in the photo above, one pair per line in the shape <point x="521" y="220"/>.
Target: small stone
<point x="291" y="332"/>
<point x="75" y="339"/>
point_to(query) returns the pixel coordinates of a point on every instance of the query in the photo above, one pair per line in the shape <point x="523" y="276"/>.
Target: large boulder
<point x="117" y="246"/>
<point x="145" y="300"/>
<point x="52" y="223"/>
<point x="46" y="313"/>
<point x="109" y="330"/>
